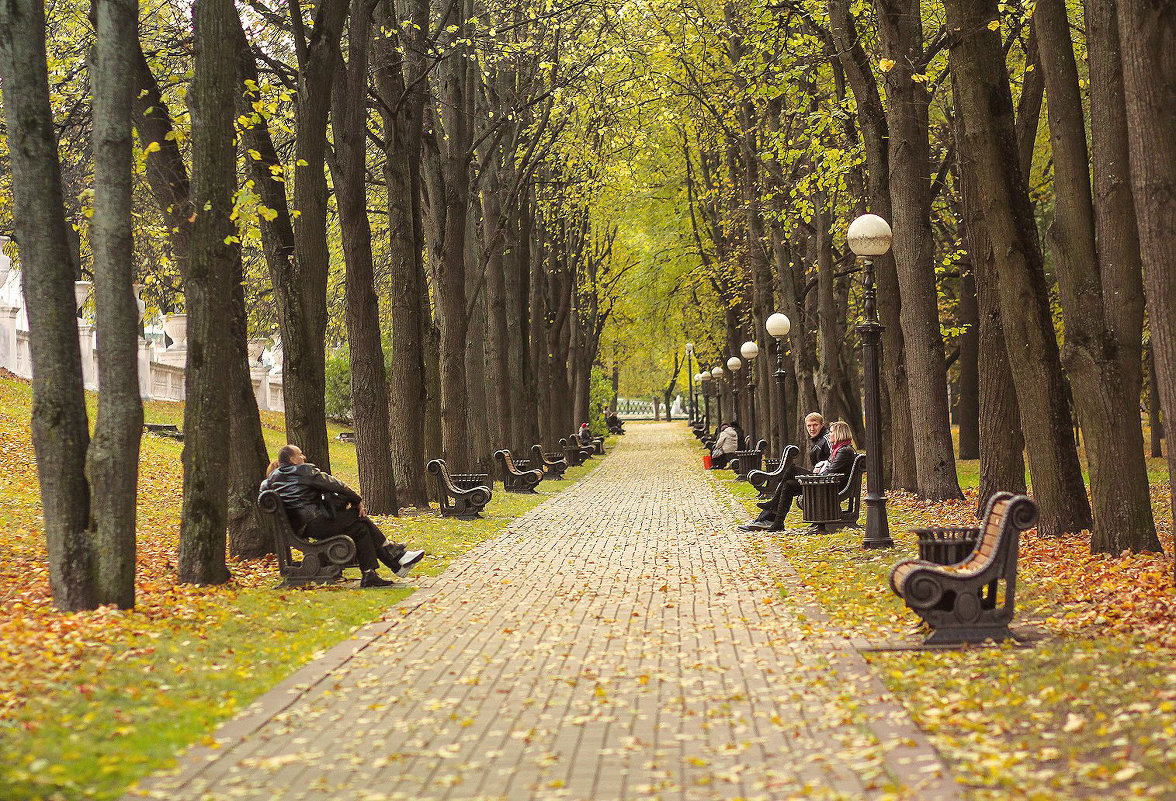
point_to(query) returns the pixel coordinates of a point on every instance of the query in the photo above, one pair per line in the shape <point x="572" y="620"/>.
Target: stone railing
<point x="161" y="370"/>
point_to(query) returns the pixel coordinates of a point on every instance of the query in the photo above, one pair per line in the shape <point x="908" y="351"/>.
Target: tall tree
<point x="1147" y="33"/>
<point x="900" y="27"/>
<point x="60" y="430"/>
<point x="1096" y="257"/>
<point x="301" y="285"/>
<point x="208" y="290"/>
<point x="369" y="380"/>
<point x="112" y="460"/>
<point x="991" y="169"/>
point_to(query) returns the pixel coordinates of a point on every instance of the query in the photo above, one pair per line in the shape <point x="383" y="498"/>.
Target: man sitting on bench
<point x="777" y="507"/>
<point x="326" y="507"/>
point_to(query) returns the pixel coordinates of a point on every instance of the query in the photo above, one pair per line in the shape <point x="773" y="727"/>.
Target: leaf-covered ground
<point x="1087" y="712"/>
<point x="89" y="702"/>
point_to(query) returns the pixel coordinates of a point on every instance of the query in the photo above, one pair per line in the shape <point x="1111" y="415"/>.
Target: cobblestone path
<point x="622" y="640"/>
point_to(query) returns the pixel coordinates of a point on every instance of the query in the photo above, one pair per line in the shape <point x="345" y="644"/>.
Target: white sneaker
<point x="408" y="561"/>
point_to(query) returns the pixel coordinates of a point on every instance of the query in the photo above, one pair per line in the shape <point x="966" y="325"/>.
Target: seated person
<point x="585" y="435"/>
<point x="819" y="448"/>
<point x="322" y="506"/>
<point x="725" y="445"/>
<point x="777" y="507"/>
<point x="613" y="422"/>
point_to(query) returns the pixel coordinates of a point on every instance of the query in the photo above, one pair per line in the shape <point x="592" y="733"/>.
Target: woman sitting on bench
<point x="326" y="507"/>
<point x="777" y="507"/>
<point x="725" y="445"/>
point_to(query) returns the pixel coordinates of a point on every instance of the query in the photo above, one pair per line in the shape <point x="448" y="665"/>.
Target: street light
<point x="868" y="236"/>
<point x="717" y="374"/>
<point x="690" y="371"/>
<point x="778" y="326"/>
<point x="734" y="365"/>
<point x="704" y="382"/>
<point x="750" y="350"/>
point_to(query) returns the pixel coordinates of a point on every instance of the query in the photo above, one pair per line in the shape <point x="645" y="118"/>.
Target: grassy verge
<point x="91" y="702"/>
<point x="1088" y="712"/>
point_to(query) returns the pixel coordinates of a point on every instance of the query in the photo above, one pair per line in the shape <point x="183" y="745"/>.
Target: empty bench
<point x="972" y="600"/>
<point x="553" y="465"/>
<point x="515" y="479"/>
<point x="455" y="501"/>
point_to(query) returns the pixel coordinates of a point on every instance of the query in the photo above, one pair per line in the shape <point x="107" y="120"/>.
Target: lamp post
<point x="778" y="325"/>
<point x="750" y="350"/>
<point x="690" y="372"/>
<point x="735" y="365"/>
<point x="717" y="375"/>
<point x="869" y="236"/>
<point x="704" y="381"/>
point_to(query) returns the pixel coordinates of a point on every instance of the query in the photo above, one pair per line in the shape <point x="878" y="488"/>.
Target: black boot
<point x="371" y="578"/>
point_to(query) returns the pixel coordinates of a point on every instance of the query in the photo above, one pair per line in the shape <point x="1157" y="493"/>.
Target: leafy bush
<point x="339" y="406"/>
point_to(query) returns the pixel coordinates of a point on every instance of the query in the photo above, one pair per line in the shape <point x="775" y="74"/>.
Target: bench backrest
<point x="508" y="461"/>
<point x="1005" y="516"/>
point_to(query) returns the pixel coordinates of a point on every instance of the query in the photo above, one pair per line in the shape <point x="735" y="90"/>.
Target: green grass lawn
<point x="91" y="702"/>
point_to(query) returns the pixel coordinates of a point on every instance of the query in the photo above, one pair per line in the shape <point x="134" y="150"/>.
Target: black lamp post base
<point x="877" y="527"/>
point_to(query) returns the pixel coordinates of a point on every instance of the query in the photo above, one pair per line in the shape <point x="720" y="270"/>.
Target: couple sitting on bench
<point x="326" y="506"/>
<point x="830" y="451"/>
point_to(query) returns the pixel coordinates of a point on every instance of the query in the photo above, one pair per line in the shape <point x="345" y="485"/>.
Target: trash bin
<point x="946" y="546"/>
<point x="470" y="480"/>
<point x="748" y="461"/>
<point x="819" y="498"/>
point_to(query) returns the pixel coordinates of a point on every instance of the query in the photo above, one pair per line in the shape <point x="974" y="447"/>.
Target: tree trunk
<point x="1154" y="418"/>
<point x="901" y="29"/>
<point x="208" y="292"/>
<point x="301" y="290"/>
<point x="59" y="425"/>
<point x="164" y="167"/>
<point x="896" y="419"/>
<point x="369" y="381"/>
<point x="968" y="405"/>
<point x="112" y="460"/>
<point x="992" y="171"/>
<point x="1147" y="31"/>
<point x="249" y="537"/>
<point x="1000" y="441"/>
<point x="408" y="295"/>
<point x="1089" y="274"/>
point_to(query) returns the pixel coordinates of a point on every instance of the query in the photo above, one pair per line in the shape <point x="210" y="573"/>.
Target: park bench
<point x="165" y="430"/>
<point x="963" y="602"/>
<point x="822" y="496"/>
<point x="575" y="454"/>
<point x="553" y="465"/>
<point x="595" y="447"/>
<point x="766" y="481"/>
<point x="322" y="560"/>
<point x="457" y="501"/>
<point x="515" y="479"/>
<point x="346" y="436"/>
<point x="748" y="459"/>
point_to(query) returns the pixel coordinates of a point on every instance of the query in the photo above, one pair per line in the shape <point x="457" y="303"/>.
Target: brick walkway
<point x="615" y="643"/>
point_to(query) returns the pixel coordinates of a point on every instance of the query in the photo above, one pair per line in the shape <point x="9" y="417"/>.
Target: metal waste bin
<point x="748" y="461"/>
<point x="946" y="546"/>
<point x="819" y="498"/>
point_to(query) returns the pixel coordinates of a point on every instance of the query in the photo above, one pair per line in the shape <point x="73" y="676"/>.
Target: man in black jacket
<point x="327" y="507"/>
<point x="819" y="448"/>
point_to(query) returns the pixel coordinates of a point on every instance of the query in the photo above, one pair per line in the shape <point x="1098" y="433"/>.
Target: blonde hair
<point x="814" y="416"/>
<point x="840" y="432"/>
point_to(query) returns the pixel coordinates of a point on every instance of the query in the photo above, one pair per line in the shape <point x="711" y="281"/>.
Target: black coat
<point x="842" y="461"/>
<point x="819" y="447"/>
<point x="306" y="491"/>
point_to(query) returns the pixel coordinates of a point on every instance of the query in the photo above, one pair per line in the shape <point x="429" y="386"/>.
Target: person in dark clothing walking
<point x="323" y="506"/>
<point x="840" y="461"/>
